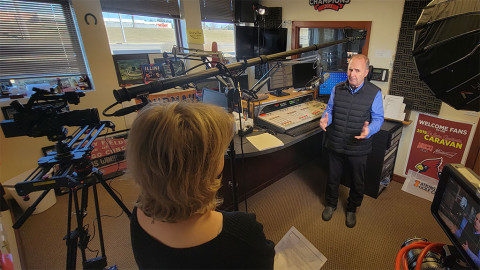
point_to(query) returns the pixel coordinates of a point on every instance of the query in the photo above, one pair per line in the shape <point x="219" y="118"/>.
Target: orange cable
<point x="404" y="250"/>
<point x="424" y="251"/>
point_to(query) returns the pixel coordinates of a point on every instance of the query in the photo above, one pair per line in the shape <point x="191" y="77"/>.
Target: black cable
<point x="223" y="68"/>
<point x="108" y="108"/>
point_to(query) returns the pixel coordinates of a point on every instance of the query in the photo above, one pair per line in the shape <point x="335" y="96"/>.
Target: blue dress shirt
<point x="376" y="111"/>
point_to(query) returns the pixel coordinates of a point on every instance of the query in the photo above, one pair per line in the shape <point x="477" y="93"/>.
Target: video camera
<point x="46" y="113"/>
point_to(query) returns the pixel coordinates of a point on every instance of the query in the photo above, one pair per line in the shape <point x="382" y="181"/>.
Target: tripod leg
<point x="29" y="211"/>
<point x="99" y="221"/>
<point x="80" y="233"/>
<point x="71" y="240"/>
<point x="112" y="194"/>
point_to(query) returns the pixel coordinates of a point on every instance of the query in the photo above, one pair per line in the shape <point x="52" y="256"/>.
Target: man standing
<point x="353" y="114"/>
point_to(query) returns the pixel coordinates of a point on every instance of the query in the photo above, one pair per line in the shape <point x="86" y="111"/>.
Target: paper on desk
<point x="265" y="141"/>
<point x="393" y="107"/>
<point x="294" y="251"/>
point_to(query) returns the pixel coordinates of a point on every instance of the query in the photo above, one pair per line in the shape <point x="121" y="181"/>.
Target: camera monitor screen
<point x="456" y="207"/>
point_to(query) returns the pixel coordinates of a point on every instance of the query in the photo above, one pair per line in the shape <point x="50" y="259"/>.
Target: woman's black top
<point x="240" y="244"/>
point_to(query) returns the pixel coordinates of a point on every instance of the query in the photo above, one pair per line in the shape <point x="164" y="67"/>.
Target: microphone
<point x="320" y="80"/>
<point x="128" y="93"/>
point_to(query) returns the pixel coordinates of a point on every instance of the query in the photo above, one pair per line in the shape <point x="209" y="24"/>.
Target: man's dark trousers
<point x="338" y="164"/>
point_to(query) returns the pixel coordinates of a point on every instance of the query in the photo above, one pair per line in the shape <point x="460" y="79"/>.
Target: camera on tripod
<point x="46" y="113"/>
<point x="69" y="166"/>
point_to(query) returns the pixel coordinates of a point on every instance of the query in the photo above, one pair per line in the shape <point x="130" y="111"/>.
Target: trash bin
<point x="49" y="200"/>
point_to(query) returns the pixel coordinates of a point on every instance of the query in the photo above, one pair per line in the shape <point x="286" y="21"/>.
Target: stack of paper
<point x="295" y="252"/>
<point x="265" y="141"/>
<point x="394" y="107"/>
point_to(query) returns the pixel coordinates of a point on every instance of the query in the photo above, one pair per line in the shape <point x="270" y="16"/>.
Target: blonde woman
<point x="175" y="154"/>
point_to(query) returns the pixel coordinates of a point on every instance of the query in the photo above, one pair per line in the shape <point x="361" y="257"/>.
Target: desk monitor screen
<point x="456" y="207"/>
<point x="335" y="77"/>
<point x="215" y="98"/>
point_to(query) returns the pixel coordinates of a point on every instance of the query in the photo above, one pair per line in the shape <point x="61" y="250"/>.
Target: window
<point x="39" y="43"/>
<point x="223" y="34"/>
<point x="129" y="34"/>
<point x="334" y="58"/>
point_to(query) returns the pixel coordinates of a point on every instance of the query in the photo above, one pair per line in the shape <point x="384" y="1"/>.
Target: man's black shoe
<point x="328" y="213"/>
<point x="351" y="219"/>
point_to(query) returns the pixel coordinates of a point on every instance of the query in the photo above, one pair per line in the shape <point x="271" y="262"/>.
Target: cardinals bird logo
<point x="430" y="167"/>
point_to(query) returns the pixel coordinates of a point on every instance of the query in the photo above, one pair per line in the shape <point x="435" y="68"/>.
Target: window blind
<point x="38" y="39"/>
<point x="154" y="8"/>
<point x="217" y="11"/>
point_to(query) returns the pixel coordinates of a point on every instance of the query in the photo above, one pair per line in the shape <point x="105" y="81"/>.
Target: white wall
<point x="386" y="17"/>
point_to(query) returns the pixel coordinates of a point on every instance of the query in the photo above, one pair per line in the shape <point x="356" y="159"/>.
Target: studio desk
<point x="259" y="169"/>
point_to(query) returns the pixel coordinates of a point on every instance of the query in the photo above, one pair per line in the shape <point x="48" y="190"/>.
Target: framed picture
<point x="152" y="72"/>
<point x="4" y="84"/>
<point x="178" y="67"/>
<point x="165" y="63"/>
<point x="128" y="68"/>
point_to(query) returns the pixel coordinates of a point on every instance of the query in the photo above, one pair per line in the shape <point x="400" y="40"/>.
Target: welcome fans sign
<point x="437" y="142"/>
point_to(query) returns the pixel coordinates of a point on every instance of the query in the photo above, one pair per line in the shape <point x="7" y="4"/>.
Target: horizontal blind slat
<point x="38" y="39"/>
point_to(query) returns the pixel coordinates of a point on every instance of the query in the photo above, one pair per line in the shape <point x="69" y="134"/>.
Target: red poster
<point x="437" y="142"/>
<point x="108" y="155"/>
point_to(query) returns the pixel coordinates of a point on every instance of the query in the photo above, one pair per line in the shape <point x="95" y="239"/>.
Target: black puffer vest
<point x="350" y="111"/>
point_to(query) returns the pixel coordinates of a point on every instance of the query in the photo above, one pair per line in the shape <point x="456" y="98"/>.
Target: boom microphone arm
<point x="129" y="93"/>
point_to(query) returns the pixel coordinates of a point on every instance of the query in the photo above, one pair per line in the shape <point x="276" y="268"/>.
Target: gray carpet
<point x="383" y="224"/>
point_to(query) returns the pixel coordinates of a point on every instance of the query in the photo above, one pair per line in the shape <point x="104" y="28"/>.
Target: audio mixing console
<point x="287" y="118"/>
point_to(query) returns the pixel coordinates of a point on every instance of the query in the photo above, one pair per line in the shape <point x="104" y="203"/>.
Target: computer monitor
<point x="215" y="98"/>
<point x="335" y="77"/>
<point x="302" y="74"/>
<point x="456" y="208"/>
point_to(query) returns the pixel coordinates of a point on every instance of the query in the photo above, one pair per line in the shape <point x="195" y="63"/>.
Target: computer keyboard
<point x="303" y="128"/>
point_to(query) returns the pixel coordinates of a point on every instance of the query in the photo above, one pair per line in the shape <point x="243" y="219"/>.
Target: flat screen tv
<point x="246" y="42"/>
<point x="273" y="41"/>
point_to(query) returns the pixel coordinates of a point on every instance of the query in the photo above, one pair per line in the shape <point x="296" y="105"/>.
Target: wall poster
<point x="108" y="154"/>
<point x="436" y="142"/>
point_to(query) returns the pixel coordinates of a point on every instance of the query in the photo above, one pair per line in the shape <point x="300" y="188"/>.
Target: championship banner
<point x="435" y="143"/>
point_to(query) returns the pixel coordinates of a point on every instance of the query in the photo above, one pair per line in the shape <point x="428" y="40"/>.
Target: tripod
<point x="73" y="170"/>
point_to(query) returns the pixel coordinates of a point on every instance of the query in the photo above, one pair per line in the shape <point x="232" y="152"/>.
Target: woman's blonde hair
<point x="174" y="152"/>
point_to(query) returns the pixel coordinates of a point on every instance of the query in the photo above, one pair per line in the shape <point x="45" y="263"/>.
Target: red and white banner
<point x="436" y="142"/>
<point x="108" y="155"/>
<point x="320" y="5"/>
